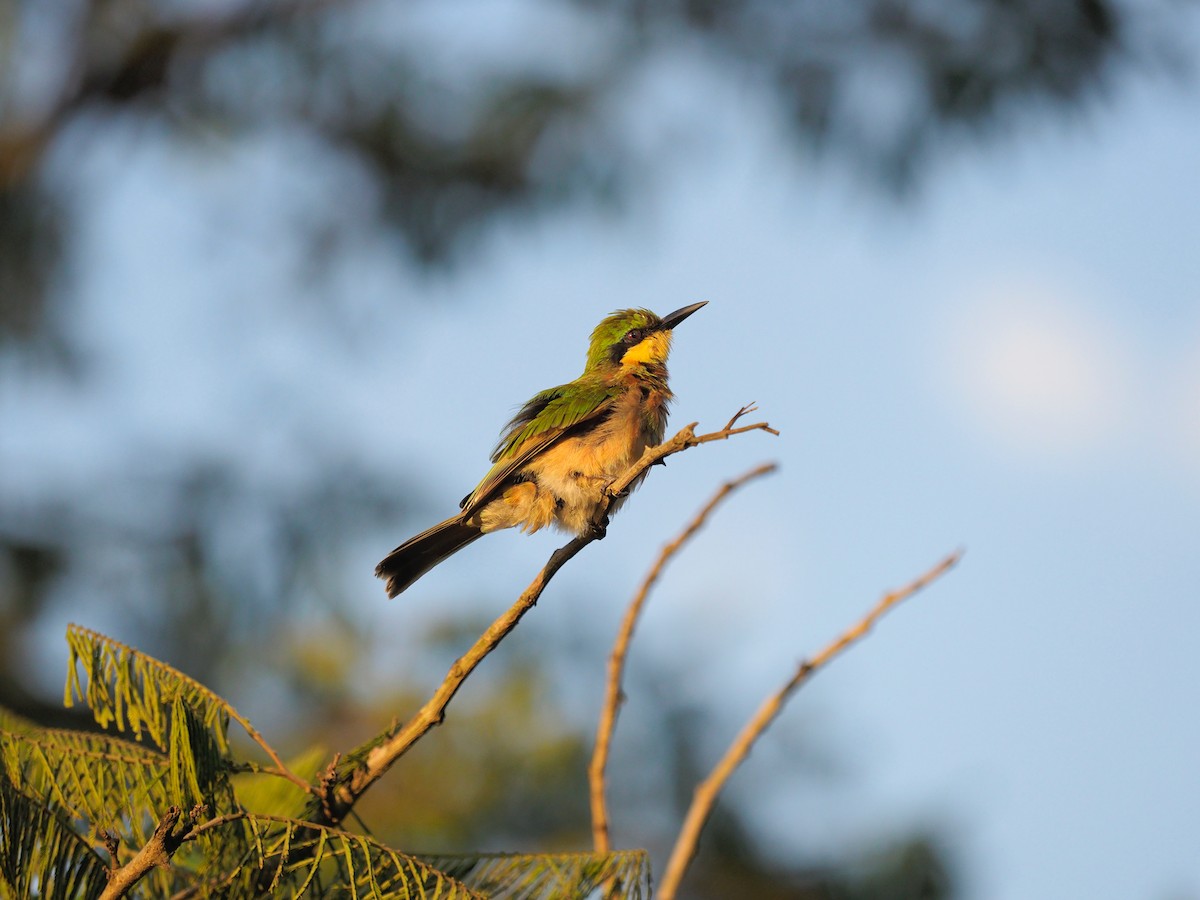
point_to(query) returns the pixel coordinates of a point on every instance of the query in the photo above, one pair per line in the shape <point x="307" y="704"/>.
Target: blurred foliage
<point x="878" y="81"/>
<point x="911" y="869"/>
<point x="234" y="580"/>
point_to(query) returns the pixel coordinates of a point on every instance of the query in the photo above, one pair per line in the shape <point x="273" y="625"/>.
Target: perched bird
<point x="561" y="451"/>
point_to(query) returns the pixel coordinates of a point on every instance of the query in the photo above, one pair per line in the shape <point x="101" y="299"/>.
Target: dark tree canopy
<point x="876" y="82"/>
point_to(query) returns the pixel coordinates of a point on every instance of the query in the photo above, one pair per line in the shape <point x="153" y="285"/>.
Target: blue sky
<point x="1009" y="364"/>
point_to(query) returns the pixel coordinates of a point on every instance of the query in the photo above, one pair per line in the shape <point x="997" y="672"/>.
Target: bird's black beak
<point x="670" y="320"/>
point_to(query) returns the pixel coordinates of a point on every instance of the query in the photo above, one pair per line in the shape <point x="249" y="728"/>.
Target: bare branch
<point x="338" y="800"/>
<point x="156" y="852"/>
<point x="614" y="695"/>
<point x="707" y="791"/>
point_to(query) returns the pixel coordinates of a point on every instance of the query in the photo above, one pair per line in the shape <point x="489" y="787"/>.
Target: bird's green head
<point x="634" y="337"/>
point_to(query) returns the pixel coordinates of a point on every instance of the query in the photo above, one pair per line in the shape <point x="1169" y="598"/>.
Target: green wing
<point x="536" y="427"/>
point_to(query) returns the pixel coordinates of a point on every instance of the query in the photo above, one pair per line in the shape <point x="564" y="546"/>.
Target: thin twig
<point x="280" y="768"/>
<point x="338" y="800"/>
<point x="707" y="791"/>
<point x="614" y="695"/>
<point x="216" y="822"/>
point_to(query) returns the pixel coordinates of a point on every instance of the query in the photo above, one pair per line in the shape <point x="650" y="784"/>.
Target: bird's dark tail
<point x="419" y="554"/>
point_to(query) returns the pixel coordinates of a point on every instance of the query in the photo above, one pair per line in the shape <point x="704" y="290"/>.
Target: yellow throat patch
<point x="651" y="351"/>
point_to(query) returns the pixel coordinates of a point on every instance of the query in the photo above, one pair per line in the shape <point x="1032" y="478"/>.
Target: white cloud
<point x="1038" y="370"/>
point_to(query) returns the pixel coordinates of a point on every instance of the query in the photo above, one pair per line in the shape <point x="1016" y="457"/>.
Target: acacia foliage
<point x="73" y="804"/>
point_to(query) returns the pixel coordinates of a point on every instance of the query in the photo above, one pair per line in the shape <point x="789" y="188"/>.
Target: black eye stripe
<point x="632" y="337"/>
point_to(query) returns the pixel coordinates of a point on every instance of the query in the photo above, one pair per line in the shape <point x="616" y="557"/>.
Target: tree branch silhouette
<point x="339" y="798"/>
<point x="614" y="694"/>
<point x="707" y="791"/>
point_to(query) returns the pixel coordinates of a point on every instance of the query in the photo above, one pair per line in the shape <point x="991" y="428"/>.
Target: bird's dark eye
<point x="633" y="336"/>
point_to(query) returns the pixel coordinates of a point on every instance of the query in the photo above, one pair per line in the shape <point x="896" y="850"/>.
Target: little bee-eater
<point x="559" y="454"/>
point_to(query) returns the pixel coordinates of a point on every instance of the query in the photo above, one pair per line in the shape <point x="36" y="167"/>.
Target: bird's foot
<point x="599" y="528"/>
<point x="615" y="495"/>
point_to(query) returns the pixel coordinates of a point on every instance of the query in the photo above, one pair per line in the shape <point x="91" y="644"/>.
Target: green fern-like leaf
<point x="290" y="859"/>
<point x="550" y="876"/>
<point x="40" y="854"/>
<point x="10" y="721"/>
<point x="133" y="692"/>
<point x="199" y="769"/>
<point x="137" y="693"/>
<point x="108" y="788"/>
<point x="103" y="783"/>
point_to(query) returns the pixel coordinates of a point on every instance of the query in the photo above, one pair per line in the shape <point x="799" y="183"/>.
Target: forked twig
<point x="707" y="791"/>
<point x="614" y="696"/>
<point x="744" y="411"/>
